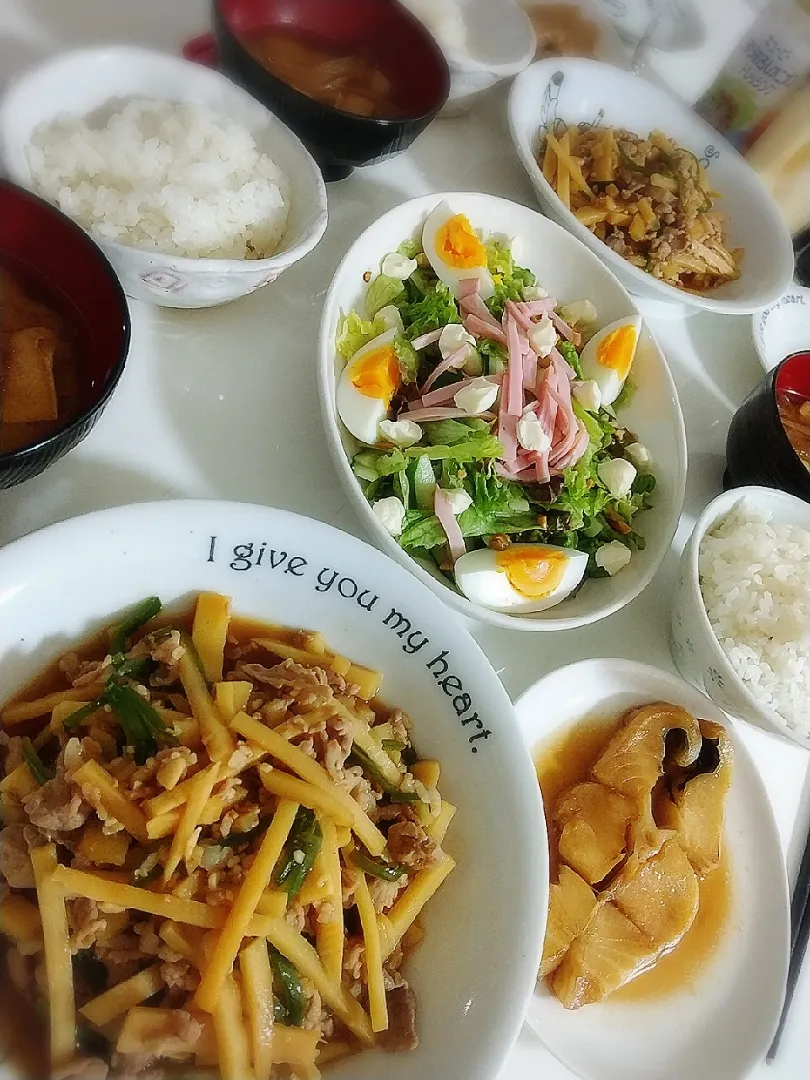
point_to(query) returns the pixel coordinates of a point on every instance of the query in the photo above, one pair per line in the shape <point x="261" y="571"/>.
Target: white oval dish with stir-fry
<point x="499" y="413"/>
<point x="219" y="844"/>
<point x="635" y="174"/>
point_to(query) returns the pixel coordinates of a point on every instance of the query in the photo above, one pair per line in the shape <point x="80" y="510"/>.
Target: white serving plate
<point x="586" y="92"/>
<point x="83" y="81"/>
<point x="569" y="272"/>
<point x="474" y="972"/>
<point x="721" y="1025"/>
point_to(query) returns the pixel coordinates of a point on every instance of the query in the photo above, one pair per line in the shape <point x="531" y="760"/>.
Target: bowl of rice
<point x="197" y="194"/>
<point x="741" y="615"/>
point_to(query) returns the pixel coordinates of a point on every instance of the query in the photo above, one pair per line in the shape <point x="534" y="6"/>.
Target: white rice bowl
<point x="163" y="176"/>
<point x="756" y="589"/>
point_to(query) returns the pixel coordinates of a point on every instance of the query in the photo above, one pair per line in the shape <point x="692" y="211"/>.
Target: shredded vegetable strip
<point x="58" y="960"/>
<point x="220" y="963"/>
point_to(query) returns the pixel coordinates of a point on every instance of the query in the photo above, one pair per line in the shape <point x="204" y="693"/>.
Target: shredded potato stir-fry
<point x="647" y="199"/>
<point x="216" y="846"/>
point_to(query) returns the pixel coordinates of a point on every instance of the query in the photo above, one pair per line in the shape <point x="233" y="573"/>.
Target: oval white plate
<point x="588" y="93"/>
<point x="721" y="1025"/>
<point x="569" y="272"/>
<point x="474" y="973"/>
<point x="783" y="328"/>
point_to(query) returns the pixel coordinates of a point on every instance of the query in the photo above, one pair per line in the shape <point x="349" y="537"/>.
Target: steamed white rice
<point x="164" y="176"/>
<point x="756" y="586"/>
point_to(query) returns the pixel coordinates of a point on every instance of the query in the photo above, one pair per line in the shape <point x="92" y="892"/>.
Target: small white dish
<point x="719" y="1026"/>
<point x="475" y="970"/>
<point x="83" y="81"/>
<point x="569" y="272"/>
<point x="500" y="43"/>
<point x="586" y="92"/>
<point x="608" y="47"/>
<point x="695" y="648"/>
<point x="783" y="328"/>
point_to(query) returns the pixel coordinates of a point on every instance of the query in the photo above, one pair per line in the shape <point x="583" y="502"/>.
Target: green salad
<point x="488" y="420"/>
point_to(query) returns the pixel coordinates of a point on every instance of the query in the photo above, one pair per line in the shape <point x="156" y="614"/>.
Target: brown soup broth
<point x="794" y="412"/>
<point x="73" y="378"/>
<point x="566" y="760"/>
<point x="335" y="75"/>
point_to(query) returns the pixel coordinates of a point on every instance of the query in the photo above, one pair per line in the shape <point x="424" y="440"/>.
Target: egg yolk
<point x="376" y="375"/>
<point x="616" y="350"/>
<point x="531" y="571"/>
<point x="457" y="244"/>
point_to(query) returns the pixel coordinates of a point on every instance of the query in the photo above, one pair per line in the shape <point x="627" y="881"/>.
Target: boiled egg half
<point x="366" y="386"/>
<point x="609" y="355"/>
<point x="456" y="251"/>
<point x="523" y="578"/>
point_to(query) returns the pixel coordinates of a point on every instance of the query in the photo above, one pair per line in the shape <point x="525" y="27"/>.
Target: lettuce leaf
<point x="494" y="355"/>
<point x="410" y="248"/>
<point x="422" y="531"/>
<point x="354" y="332"/>
<point x="408" y="359"/>
<point x="626" y="395"/>
<point x="451" y="432"/>
<point x="381" y="292"/>
<point x="436" y="309"/>
<point x="570" y="354"/>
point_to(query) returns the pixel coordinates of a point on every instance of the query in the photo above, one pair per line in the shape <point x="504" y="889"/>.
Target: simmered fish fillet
<point x="593" y="823"/>
<point x="695" y="808"/>
<point x="660" y="896"/>
<point x="607" y="954"/>
<point x="571" y="904"/>
<point x="634" y="760"/>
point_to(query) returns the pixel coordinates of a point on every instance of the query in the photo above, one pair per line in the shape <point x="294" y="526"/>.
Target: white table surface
<point x="222" y="404"/>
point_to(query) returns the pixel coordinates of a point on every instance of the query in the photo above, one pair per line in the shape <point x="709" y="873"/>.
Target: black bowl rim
<point x="376" y="121"/>
<point x="772" y="379"/>
<point x="22" y="454"/>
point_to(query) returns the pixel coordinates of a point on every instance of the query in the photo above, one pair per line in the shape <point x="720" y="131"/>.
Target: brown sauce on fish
<point x="566" y="760"/>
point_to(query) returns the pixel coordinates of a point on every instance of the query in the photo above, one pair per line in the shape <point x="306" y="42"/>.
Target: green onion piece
<point x="300" y="852"/>
<point x="392" y="744"/>
<point x="142" y="725"/>
<point x="138" y="668"/>
<point x="136" y="617"/>
<point x="290" y="1000"/>
<point x="404" y="797"/>
<point x="378" y="868"/>
<point x="236" y="839"/>
<point x="373" y="773"/>
<point x="39" y="771"/>
<point x="77" y="718"/>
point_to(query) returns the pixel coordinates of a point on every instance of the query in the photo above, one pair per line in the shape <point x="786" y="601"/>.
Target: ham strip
<point x="529" y="367"/>
<point x="564" y="329"/>
<point x="425" y="416"/>
<point x="514" y="405"/>
<point x="454" y="360"/>
<point x="523" y="320"/>
<point x="479" y="328"/>
<point x="449" y="522"/>
<point x="427" y="339"/>
<point x="447" y="393"/>
<point x="537" y="307"/>
<point x="469" y="287"/>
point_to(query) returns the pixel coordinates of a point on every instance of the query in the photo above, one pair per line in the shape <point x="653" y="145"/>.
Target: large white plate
<point x="721" y="1025"/>
<point x="474" y="972"/>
